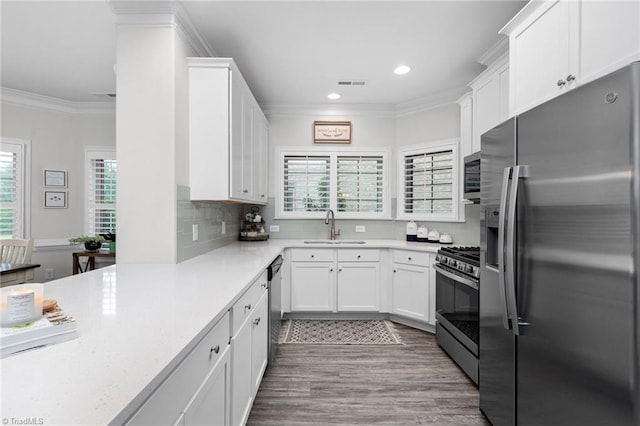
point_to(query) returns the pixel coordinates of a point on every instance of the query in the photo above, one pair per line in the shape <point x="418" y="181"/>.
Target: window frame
<point x="94" y="153"/>
<point x="333" y="155"/>
<point x="24" y="172"/>
<point x="457" y="213"/>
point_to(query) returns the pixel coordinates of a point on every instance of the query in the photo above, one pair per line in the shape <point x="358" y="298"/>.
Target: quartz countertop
<point x="135" y="324"/>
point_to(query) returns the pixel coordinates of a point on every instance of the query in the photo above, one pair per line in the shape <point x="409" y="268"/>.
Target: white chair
<point x="16" y="251"/>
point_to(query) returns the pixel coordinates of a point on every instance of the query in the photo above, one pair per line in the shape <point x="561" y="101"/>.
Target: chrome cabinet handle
<point x="340" y="270"/>
<point x="570" y="78"/>
<point x="331" y="270"/>
<point x="247" y="307"/>
<point x="408" y="258"/>
<point x="256" y="321"/>
<point x="313" y="255"/>
<point x="264" y="285"/>
<point x="214" y="349"/>
<point x="245" y="190"/>
<point x="358" y="256"/>
<point x="561" y="83"/>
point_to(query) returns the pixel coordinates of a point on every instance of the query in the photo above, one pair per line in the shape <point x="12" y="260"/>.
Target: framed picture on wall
<point x="332" y="132"/>
<point x="55" y="178"/>
<point x="55" y="199"/>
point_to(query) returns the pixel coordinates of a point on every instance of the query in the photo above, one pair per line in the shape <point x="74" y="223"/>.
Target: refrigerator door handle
<point x="517" y="325"/>
<point x="502" y="286"/>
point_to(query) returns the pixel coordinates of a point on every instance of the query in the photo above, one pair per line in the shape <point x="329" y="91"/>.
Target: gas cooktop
<point x="464" y="253"/>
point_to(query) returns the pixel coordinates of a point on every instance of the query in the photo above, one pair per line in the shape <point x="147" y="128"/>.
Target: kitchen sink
<point x="334" y="242"/>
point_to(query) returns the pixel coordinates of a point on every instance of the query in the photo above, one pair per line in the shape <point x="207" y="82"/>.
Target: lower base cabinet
<point x="198" y="391"/>
<point x="411" y="287"/>
<point x="249" y="352"/>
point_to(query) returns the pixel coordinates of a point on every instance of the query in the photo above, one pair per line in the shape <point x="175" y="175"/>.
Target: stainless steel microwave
<point x="472" y="177"/>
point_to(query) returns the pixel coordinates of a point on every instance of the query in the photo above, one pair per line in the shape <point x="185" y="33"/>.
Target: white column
<point x="151" y="130"/>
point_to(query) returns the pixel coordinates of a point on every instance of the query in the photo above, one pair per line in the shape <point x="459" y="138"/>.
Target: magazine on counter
<point x="54" y="327"/>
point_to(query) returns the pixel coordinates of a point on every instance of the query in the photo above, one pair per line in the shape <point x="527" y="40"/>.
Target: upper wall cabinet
<point x="490" y="98"/>
<point x="228" y="135"/>
<point x="558" y="45"/>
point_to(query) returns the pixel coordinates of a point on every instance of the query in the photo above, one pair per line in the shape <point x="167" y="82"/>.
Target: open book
<point x="54" y="327"/>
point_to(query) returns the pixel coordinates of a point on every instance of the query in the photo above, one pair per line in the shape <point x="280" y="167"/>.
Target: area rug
<point x="340" y="332"/>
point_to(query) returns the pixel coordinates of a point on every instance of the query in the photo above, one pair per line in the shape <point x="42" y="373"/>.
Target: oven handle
<point x="466" y="281"/>
<point x="502" y="286"/>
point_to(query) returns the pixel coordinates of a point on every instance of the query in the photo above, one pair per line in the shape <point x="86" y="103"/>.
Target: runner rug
<point x="340" y="332"/>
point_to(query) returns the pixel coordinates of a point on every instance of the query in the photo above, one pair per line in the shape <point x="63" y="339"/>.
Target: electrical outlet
<point x="274" y="228"/>
<point x="361" y="228"/>
<point x="49" y="273"/>
<point x="194" y="231"/>
<point x="223" y="228"/>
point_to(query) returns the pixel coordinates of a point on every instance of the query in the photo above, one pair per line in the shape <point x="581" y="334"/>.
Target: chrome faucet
<point x="334" y="233"/>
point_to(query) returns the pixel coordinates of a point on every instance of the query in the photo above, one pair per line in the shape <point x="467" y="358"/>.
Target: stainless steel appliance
<point x="472" y="177"/>
<point x="559" y="259"/>
<point x="275" y="305"/>
<point x="457" y="322"/>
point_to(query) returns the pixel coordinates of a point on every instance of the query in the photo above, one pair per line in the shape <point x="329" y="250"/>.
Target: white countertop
<point x="135" y="323"/>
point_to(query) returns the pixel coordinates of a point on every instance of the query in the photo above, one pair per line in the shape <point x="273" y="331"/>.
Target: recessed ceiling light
<point x="402" y="69"/>
<point x="333" y="96"/>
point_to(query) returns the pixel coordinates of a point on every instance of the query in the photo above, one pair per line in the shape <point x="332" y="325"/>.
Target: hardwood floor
<point x="411" y="384"/>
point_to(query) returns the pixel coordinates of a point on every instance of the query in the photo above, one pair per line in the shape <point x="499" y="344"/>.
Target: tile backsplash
<point x="209" y="217"/>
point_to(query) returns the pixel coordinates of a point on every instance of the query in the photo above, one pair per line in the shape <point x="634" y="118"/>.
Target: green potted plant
<point x="90" y="243"/>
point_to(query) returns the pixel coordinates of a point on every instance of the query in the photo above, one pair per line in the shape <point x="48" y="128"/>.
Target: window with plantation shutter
<point x="360" y="183"/>
<point x="101" y="192"/>
<point x="351" y="183"/>
<point x="428" y="183"/>
<point x="12" y="189"/>
<point x="306" y="183"/>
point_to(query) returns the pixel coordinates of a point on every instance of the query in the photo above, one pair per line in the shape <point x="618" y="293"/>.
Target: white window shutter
<point x="101" y="194"/>
<point x="360" y="184"/>
<point x="11" y="190"/>
<point x="306" y="183"/>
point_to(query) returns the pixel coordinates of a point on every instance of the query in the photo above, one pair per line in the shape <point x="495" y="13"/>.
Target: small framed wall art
<point x="55" y="178"/>
<point x="55" y="199"/>
<point x="332" y="132"/>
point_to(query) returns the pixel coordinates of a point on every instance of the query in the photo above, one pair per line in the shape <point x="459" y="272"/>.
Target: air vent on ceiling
<point x="104" y="95"/>
<point x="351" y="83"/>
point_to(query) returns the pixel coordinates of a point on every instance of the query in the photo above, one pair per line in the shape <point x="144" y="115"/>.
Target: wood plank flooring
<point x="411" y="384"/>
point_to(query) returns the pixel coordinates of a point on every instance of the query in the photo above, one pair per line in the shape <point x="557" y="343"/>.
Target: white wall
<point x="57" y="140"/>
<point x="369" y="129"/>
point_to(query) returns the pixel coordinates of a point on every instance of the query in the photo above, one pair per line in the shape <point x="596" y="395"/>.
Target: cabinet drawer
<point x="358" y="255"/>
<point x="312" y="255"/>
<point x="247" y="303"/>
<point x="411" y="257"/>
<point x="172" y="396"/>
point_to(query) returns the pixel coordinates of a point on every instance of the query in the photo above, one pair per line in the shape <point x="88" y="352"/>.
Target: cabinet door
<point x="241" y="373"/>
<point x="609" y="36"/>
<point x="260" y="160"/>
<point x="236" y="185"/>
<point x="358" y="287"/>
<point x="312" y="286"/>
<point x="259" y="336"/>
<point x="411" y="291"/>
<point x="541" y="56"/>
<point x="211" y="404"/>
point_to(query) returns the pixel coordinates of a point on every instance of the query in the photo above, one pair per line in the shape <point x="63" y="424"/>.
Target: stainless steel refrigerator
<point x="560" y="254"/>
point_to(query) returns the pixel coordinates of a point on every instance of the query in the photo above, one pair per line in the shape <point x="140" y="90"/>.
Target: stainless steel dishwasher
<point x="275" y="305"/>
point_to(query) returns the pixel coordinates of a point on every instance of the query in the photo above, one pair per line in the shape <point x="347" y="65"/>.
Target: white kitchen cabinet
<point x="490" y="98"/>
<point x="466" y="124"/>
<point x="558" y="45"/>
<point x="358" y="280"/>
<point x="248" y="348"/>
<point x="198" y="390"/>
<point x="228" y="134"/>
<point x="340" y="280"/>
<point x="412" y="295"/>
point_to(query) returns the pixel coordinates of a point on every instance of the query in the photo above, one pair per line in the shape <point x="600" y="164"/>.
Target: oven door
<point x="457" y="306"/>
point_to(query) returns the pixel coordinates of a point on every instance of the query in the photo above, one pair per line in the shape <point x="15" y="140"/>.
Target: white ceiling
<point x="290" y="52"/>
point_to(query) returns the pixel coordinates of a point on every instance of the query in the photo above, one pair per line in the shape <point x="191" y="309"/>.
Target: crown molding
<point x="435" y="100"/>
<point x="495" y="51"/>
<point x="377" y="110"/>
<point x="161" y="14"/>
<point x="18" y="97"/>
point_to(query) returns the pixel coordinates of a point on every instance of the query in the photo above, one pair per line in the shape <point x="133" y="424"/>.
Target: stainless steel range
<point x="457" y="320"/>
